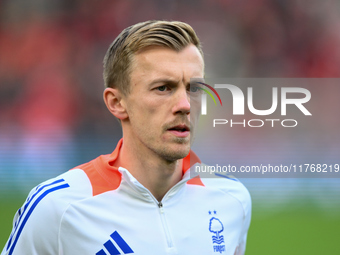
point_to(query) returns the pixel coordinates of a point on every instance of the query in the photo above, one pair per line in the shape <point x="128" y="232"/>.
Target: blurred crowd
<point x="52" y="116"/>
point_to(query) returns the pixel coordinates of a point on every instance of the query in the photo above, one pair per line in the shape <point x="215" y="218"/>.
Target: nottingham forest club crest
<point x="216" y="227"/>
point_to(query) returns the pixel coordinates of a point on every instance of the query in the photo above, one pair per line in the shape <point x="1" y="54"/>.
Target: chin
<point x="176" y="152"/>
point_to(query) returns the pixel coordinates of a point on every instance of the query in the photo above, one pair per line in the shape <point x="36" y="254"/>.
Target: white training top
<point x="97" y="209"/>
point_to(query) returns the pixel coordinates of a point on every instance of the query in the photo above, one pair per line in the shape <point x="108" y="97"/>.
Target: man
<point x="140" y="199"/>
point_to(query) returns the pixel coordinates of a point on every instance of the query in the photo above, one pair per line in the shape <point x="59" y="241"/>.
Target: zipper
<point x="161" y="210"/>
<point x="168" y="238"/>
<point x="165" y="226"/>
<point x="162" y="213"/>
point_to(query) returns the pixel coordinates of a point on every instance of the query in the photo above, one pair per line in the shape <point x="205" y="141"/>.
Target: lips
<point x="180" y="130"/>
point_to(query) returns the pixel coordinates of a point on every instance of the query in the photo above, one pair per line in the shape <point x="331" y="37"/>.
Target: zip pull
<point x="160" y="206"/>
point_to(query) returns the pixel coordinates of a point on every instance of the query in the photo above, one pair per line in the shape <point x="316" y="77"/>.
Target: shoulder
<point x="229" y="185"/>
<point x="69" y="186"/>
<point x="42" y="211"/>
<point x="50" y="198"/>
<point x="55" y="195"/>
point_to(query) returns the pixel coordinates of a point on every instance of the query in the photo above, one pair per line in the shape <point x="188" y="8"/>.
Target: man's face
<point x="158" y="105"/>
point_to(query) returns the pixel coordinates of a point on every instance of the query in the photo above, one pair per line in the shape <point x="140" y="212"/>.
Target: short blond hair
<point x="117" y="61"/>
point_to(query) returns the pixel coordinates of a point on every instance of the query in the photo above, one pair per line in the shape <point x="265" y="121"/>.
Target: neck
<point x="156" y="174"/>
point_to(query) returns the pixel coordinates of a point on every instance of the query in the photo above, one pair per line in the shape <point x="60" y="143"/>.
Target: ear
<point x="114" y="101"/>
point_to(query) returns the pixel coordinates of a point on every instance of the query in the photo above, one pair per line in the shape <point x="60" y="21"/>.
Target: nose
<point x="182" y="102"/>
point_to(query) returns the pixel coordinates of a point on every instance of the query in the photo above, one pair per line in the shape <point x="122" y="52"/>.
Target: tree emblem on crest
<point x="216" y="226"/>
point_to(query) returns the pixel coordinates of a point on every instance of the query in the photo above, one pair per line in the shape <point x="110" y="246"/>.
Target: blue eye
<point x="162" y="88"/>
<point x="193" y="88"/>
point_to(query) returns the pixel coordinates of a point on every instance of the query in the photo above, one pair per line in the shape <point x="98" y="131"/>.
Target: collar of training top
<point x="188" y="161"/>
<point x="104" y="176"/>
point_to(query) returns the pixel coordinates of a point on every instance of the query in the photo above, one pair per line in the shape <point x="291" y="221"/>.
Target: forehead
<point x="154" y="61"/>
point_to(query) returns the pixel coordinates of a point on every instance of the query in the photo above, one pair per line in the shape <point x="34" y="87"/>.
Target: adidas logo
<point x="111" y="248"/>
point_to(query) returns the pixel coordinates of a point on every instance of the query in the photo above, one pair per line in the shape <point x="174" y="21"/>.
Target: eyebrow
<point x="173" y="81"/>
<point x="164" y="80"/>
